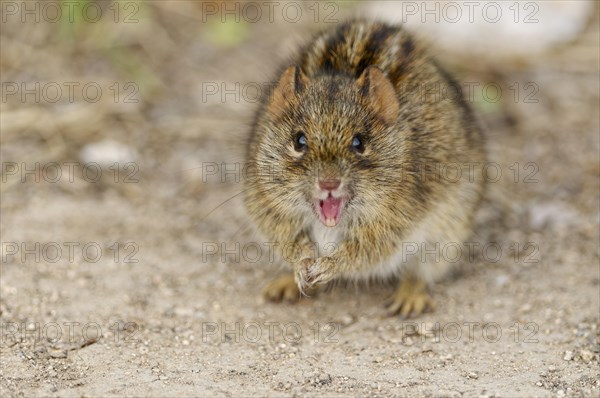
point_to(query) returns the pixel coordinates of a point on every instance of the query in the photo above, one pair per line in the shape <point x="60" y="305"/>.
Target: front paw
<point x="311" y="272"/>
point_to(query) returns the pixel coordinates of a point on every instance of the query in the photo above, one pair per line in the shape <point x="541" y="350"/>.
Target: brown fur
<point x="364" y="78"/>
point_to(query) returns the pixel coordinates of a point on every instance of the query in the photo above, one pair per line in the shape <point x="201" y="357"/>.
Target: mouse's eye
<point x="300" y="144"/>
<point x="357" y="144"/>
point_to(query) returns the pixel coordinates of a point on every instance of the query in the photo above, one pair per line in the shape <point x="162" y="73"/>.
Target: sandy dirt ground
<point x="111" y="284"/>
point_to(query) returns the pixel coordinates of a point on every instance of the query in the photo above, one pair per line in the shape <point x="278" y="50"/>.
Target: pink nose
<point x="330" y="184"/>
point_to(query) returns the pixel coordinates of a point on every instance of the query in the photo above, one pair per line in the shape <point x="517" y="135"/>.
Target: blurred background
<point x="114" y="115"/>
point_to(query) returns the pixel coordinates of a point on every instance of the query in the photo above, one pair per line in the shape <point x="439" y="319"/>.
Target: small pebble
<point x="502" y="280"/>
<point x="324" y="378"/>
<point x="586" y="356"/>
<point x="58" y="354"/>
<point x="107" y="153"/>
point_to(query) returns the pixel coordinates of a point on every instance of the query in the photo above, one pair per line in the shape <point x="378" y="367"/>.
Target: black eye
<point x="357" y="144"/>
<point x="300" y="144"/>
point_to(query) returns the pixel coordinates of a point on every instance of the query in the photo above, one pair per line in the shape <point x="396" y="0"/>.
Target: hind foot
<point x="410" y="299"/>
<point x="285" y="288"/>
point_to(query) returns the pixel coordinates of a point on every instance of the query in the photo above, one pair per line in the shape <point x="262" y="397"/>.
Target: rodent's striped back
<point x="357" y="44"/>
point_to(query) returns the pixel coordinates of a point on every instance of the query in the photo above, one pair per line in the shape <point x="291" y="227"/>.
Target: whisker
<point x="273" y="205"/>
<point x="222" y="203"/>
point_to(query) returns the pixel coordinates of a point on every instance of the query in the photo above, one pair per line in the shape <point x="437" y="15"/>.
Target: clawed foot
<point x="285" y="288"/>
<point x="411" y="299"/>
<point x="310" y="272"/>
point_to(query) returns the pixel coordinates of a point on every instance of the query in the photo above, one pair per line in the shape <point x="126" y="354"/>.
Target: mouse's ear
<point x="290" y="84"/>
<point x="380" y="92"/>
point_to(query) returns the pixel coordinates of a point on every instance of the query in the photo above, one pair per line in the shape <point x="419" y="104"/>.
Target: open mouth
<point x="330" y="210"/>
